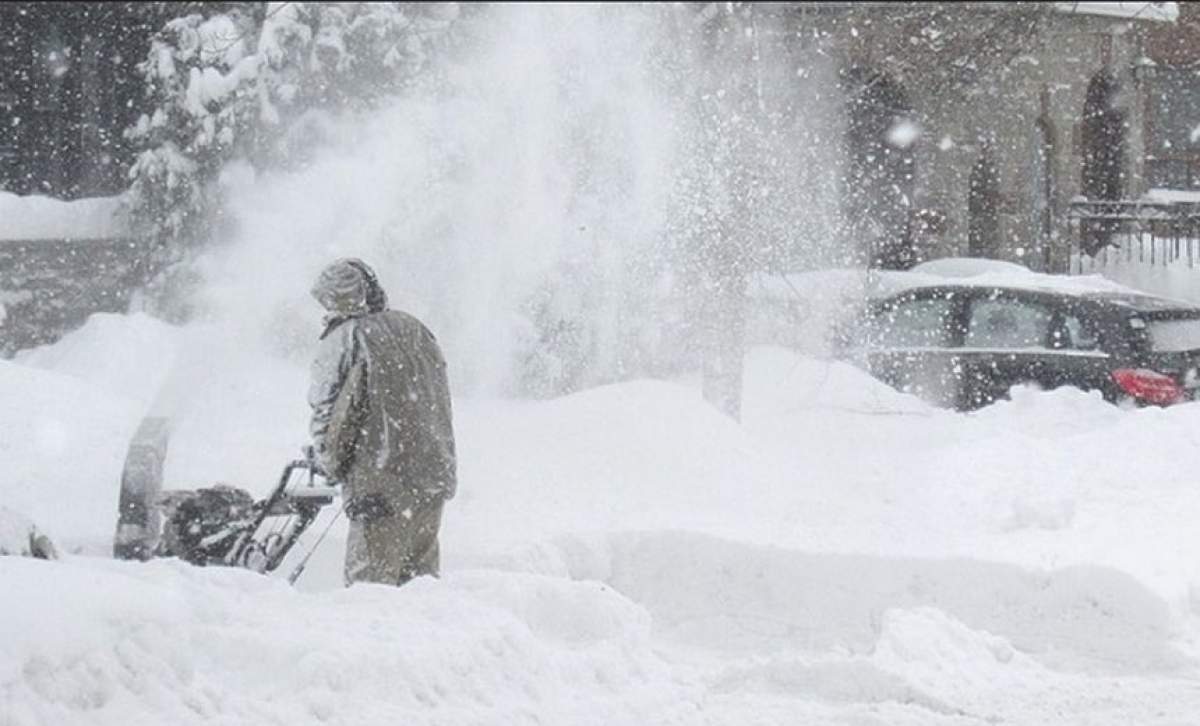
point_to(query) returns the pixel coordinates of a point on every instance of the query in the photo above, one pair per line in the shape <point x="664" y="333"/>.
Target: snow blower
<point x="219" y="525"/>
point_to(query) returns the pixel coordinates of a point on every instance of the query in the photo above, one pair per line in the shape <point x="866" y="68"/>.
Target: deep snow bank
<point x="828" y="458"/>
<point x="101" y="642"/>
<point x="652" y="628"/>
<point x="624" y="555"/>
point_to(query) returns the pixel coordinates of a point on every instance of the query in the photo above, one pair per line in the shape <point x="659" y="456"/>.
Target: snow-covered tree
<point x="254" y="82"/>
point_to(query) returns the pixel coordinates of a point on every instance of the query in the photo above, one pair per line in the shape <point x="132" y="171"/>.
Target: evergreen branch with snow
<point x="255" y="82"/>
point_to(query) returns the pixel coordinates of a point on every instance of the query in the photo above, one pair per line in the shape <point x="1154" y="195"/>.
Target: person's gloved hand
<point x="368" y="508"/>
<point x="310" y="456"/>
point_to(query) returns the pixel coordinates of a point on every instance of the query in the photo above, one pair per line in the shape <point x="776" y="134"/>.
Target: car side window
<point x="1003" y="322"/>
<point x="1070" y="333"/>
<point x="915" y="323"/>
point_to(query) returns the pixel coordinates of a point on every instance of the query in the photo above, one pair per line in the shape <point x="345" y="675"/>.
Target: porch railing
<point x="1146" y="232"/>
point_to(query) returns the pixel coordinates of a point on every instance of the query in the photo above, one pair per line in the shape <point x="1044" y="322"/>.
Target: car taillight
<point x="1148" y="385"/>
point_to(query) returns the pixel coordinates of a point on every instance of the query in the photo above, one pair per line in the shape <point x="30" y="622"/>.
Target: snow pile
<point x="115" y="643"/>
<point x="35" y="218"/>
<point x="16" y="532"/>
<point x="63" y="444"/>
<point x="127" y="355"/>
<point x="624" y="555"/>
<point x="630" y="456"/>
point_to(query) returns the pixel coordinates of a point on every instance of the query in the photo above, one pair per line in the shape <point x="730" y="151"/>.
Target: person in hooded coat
<point x="381" y="426"/>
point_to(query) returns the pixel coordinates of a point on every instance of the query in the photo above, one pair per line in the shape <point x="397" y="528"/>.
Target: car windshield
<point x="1173" y="336"/>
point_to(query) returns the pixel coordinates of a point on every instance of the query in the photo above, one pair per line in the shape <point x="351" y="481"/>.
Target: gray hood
<point x="348" y="288"/>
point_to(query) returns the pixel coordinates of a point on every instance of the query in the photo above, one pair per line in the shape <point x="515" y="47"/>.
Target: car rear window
<point x="1008" y="323"/>
<point x="1172" y="336"/>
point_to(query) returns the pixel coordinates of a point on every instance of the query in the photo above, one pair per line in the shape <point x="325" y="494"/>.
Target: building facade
<point x="1173" y="111"/>
<point x="984" y="160"/>
<point x="967" y="129"/>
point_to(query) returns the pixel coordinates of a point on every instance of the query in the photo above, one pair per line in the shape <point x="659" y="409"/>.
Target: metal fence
<point x="1148" y="233"/>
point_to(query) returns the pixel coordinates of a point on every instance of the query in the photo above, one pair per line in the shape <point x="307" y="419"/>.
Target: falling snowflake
<point x="903" y="133"/>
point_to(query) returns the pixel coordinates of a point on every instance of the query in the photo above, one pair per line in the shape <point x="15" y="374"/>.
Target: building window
<point x="1173" y="146"/>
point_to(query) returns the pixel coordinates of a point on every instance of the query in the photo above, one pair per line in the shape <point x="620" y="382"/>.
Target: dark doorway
<point x="1103" y="136"/>
<point x="983" y="206"/>
<point x="880" y="169"/>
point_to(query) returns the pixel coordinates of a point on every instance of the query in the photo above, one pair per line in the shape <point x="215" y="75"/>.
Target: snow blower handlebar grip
<point x="313" y="464"/>
<point x="299" y="505"/>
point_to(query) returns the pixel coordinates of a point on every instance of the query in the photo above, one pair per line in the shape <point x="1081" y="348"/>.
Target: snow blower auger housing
<point x="219" y="525"/>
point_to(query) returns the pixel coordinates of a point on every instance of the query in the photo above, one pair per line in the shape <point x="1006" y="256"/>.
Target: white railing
<point x="1168" y="267"/>
<point x="1152" y="245"/>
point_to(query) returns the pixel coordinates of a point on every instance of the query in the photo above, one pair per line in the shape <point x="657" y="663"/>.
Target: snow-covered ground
<point x="847" y="555"/>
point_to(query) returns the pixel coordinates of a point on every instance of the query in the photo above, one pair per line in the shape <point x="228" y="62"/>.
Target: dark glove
<point x="368" y="507"/>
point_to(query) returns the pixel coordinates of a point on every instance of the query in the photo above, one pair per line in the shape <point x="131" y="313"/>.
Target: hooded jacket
<point x="382" y="421"/>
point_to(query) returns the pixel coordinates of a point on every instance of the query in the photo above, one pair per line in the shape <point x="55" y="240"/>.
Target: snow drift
<point x="623" y="555"/>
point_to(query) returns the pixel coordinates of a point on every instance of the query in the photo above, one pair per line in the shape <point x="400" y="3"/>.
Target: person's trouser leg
<point x="395" y="548"/>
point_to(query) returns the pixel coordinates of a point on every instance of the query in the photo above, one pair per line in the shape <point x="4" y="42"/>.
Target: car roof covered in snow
<point x="1000" y="275"/>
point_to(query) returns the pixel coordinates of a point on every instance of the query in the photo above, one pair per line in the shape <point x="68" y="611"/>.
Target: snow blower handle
<point x="310" y="459"/>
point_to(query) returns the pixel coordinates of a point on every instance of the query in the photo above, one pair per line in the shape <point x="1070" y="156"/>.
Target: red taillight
<point x="1148" y="385"/>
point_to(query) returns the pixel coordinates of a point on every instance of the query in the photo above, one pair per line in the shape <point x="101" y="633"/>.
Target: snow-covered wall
<point x="37" y="218"/>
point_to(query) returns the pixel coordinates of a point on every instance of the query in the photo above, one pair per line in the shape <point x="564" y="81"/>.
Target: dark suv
<point x="966" y="345"/>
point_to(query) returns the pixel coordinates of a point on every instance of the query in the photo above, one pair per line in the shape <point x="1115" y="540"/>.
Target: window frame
<point x="1058" y="307"/>
<point x="951" y="335"/>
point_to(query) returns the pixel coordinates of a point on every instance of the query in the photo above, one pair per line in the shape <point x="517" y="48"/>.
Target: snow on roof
<point x="37" y="218"/>
<point x="960" y="271"/>
<point x="1190" y="196"/>
<point x="967" y="267"/>
<point x="994" y="273"/>
<point x="1162" y="11"/>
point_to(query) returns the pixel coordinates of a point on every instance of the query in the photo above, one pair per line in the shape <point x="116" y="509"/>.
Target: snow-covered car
<point x="964" y="341"/>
